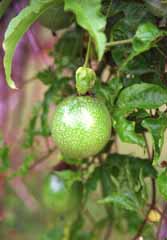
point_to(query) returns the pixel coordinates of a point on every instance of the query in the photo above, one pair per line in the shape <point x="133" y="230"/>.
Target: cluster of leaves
<point x="129" y="39"/>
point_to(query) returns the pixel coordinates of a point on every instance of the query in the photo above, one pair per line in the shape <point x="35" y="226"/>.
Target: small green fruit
<point x="58" y="197"/>
<point x="81" y="127"/>
<point x="85" y="79"/>
<point x="55" y="18"/>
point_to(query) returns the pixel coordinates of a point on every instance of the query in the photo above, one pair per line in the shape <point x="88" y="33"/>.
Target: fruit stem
<point x="120" y="42"/>
<point x="87" y="53"/>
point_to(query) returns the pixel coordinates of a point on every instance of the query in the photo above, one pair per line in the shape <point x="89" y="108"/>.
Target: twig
<point x="41" y="159"/>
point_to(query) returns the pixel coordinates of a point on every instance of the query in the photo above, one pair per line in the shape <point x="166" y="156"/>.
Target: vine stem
<point x="119" y="42"/>
<point x="87" y="53"/>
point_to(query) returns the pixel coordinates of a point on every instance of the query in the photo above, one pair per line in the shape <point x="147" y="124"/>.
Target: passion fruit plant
<point x="108" y="81"/>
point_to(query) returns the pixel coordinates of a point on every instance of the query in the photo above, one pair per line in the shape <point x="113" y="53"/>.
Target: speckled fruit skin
<point x="81" y="126"/>
<point x="58" y="197"/>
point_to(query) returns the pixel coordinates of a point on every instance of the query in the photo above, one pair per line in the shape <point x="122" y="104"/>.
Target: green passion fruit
<point x="81" y="126"/>
<point x="60" y="198"/>
<point x="55" y="18"/>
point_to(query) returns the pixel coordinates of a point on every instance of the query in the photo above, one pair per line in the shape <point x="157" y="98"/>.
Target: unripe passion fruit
<point x="81" y="126"/>
<point x="55" y="18"/>
<point x="60" y="198"/>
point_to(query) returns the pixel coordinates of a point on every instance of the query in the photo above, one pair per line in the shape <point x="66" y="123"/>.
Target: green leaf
<point x="1" y="139"/>
<point x="145" y="36"/>
<point x="77" y="232"/>
<point x="125" y="200"/>
<point x="92" y="181"/>
<point x="138" y="66"/>
<point x="142" y="96"/>
<point x="144" y="39"/>
<point x="68" y="50"/>
<point x="157" y="129"/>
<point x="16" y="29"/>
<point x="135" y="164"/>
<point x="137" y="96"/>
<point x="47" y="76"/>
<point x="85" y="236"/>
<point x="69" y="177"/>
<point x="162" y="184"/>
<point x="45" y="124"/>
<point x="130" y="177"/>
<point x="4" y="4"/>
<point x="4" y="158"/>
<point x="55" y="93"/>
<point x="89" y="16"/>
<point x="106" y="184"/>
<point x="157" y="8"/>
<point x="105" y="180"/>
<point x="31" y="129"/>
<point x="109" y="91"/>
<point x="135" y="14"/>
<point x="126" y="129"/>
<point x="55" y="234"/>
<point x="24" y="168"/>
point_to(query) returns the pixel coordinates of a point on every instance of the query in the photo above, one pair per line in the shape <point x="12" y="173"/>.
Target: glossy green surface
<point x="81" y="126"/>
<point x="58" y="197"/>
